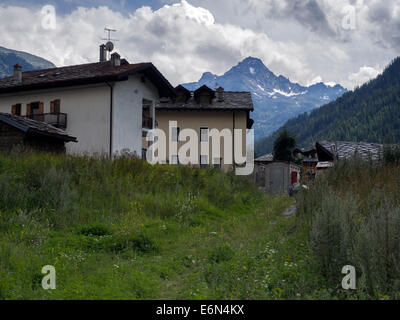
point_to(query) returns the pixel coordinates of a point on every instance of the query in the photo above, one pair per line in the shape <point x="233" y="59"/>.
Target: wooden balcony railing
<point x="58" y="120"/>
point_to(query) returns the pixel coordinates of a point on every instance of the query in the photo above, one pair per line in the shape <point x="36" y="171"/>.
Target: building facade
<point x="106" y="105"/>
<point x="203" y="111"/>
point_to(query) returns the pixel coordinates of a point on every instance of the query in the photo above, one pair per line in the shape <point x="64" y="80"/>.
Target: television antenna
<point x="109" y="44"/>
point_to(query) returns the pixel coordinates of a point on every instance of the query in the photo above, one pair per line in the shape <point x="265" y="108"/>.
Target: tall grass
<point x="66" y="191"/>
<point x="123" y="229"/>
<point x="352" y="214"/>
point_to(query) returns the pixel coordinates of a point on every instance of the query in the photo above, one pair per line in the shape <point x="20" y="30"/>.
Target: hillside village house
<point x="29" y="134"/>
<point x="107" y="105"/>
<point x="202" y="111"/>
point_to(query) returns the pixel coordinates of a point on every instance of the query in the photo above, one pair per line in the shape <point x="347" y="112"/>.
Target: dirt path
<point x="290" y="211"/>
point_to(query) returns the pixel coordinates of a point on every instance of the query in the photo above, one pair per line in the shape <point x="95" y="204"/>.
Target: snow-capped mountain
<point x="276" y="99"/>
<point x="8" y="58"/>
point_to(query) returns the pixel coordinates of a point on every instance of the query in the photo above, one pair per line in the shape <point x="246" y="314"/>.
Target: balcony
<point x="147" y="122"/>
<point x="58" y="120"/>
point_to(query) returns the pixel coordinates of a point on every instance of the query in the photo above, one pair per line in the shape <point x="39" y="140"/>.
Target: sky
<point x="334" y="41"/>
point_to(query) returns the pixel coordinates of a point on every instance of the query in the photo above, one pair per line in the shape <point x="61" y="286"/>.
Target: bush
<point x="221" y="254"/>
<point x="352" y="214"/>
<point x="95" y="231"/>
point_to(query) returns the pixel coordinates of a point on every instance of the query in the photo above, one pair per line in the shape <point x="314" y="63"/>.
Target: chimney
<point x="220" y="94"/>
<point x="17" y="77"/>
<point x="103" y="53"/>
<point x="115" y="60"/>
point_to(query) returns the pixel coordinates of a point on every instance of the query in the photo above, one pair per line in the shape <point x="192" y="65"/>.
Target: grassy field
<point x="126" y="230"/>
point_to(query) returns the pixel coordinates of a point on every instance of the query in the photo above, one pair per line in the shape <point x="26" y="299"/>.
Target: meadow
<point x="124" y="229"/>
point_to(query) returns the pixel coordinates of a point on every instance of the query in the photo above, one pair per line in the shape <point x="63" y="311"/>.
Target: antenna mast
<point x="109" y="44"/>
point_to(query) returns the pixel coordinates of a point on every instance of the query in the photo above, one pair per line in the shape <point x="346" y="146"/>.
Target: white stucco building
<point x="106" y="105"/>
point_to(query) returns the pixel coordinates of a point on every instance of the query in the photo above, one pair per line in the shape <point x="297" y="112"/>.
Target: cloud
<point x="182" y="40"/>
<point x="363" y="75"/>
<point x="303" y="40"/>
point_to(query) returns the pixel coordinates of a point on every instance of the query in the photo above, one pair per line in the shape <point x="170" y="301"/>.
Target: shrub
<point x="221" y="254"/>
<point x="352" y="214"/>
<point x="95" y="231"/>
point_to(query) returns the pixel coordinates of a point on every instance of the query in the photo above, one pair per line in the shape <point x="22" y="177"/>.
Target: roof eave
<point x="64" y="138"/>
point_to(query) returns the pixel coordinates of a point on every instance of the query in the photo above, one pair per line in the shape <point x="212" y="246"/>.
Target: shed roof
<point x="36" y="127"/>
<point x="265" y="158"/>
<point x="339" y="150"/>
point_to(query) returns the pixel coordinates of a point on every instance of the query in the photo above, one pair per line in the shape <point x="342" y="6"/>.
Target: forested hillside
<point x="370" y="113"/>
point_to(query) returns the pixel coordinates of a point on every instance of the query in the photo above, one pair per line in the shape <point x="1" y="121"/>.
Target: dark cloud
<point x="310" y="15"/>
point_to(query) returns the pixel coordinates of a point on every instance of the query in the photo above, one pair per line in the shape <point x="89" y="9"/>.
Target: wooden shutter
<point x="41" y="108"/>
<point x="52" y="107"/>
<point x="14" y="109"/>
<point x="294" y="177"/>
<point x="28" y="110"/>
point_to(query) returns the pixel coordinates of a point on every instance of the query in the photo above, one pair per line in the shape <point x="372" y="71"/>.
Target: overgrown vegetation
<point x="123" y="229"/>
<point x="126" y="230"/>
<point x="352" y="214"/>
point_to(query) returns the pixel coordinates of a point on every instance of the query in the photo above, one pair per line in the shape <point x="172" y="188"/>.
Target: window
<point x="203" y="134"/>
<point x="175" y="134"/>
<point x="217" y="161"/>
<point x="203" y="160"/>
<point x="35" y="108"/>
<point x="174" y="159"/>
<point x="144" y="154"/>
<point x="55" y="106"/>
<point x="16" y="109"/>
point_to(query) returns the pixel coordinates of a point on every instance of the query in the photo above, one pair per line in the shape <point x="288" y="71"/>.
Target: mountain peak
<point x="276" y="98"/>
<point x="252" y="60"/>
<point x="207" y="76"/>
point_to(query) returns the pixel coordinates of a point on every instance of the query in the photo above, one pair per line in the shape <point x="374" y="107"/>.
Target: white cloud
<point x="182" y="40"/>
<point x="363" y="75"/>
<point x="302" y="40"/>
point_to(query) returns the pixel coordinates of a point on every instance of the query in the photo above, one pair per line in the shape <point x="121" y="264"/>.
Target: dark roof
<point x="86" y="74"/>
<point x="204" y="88"/>
<point x="182" y="89"/>
<point x="31" y="126"/>
<point x="232" y="101"/>
<point x="339" y="150"/>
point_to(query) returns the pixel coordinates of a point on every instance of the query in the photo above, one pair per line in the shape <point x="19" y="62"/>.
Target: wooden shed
<point x="31" y="134"/>
<point x="276" y="176"/>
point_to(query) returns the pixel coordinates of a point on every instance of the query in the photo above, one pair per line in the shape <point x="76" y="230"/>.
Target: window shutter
<point x="41" y="108"/>
<point x="52" y="107"/>
<point x="14" y="109"/>
<point x="28" y="110"/>
<point x="294" y="177"/>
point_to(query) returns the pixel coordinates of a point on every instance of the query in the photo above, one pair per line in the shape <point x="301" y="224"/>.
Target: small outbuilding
<point x="276" y="177"/>
<point x="31" y="134"/>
